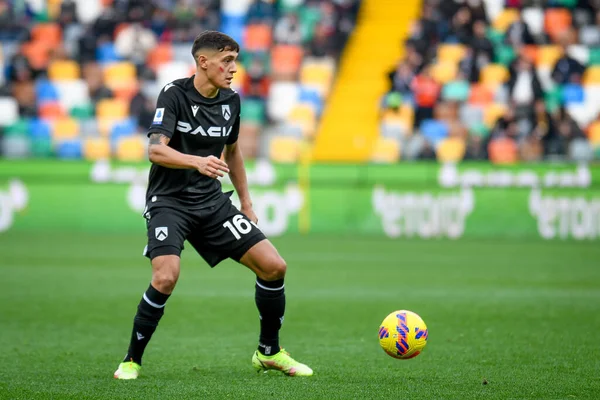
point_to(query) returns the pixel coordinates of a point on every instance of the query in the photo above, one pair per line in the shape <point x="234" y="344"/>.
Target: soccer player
<point x="197" y="119"/>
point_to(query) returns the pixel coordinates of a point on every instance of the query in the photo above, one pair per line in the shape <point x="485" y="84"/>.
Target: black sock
<point x="149" y="312"/>
<point x="270" y="300"/>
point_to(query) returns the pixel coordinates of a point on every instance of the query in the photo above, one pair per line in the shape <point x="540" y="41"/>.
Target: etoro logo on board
<point x="12" y="200"/>
<point x="424" y="215"/>
<point x="565" y="216"/>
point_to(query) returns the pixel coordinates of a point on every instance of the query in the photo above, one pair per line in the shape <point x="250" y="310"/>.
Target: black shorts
<point x="216" y="232"/>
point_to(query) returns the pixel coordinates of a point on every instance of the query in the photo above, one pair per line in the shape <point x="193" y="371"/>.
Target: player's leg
<point x="270" y="268"/>
<point x="166" y="233"/>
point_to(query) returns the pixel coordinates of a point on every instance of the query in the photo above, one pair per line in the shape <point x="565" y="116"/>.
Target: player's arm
<point x="237" y="173"/>
<point x="161" y="154"/>
<point x="161" y="132"/>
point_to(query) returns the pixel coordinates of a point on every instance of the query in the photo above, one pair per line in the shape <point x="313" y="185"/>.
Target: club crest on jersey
<point x="226" y="111"/>
<point x="161" y="233"/>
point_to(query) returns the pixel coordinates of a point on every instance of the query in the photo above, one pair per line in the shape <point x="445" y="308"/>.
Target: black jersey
<point x="195" y="125"/>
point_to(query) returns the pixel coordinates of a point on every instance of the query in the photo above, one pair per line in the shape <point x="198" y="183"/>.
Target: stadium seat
<point x="123" y="129"/>
<point x="119" y="74"/>
<point x="233" y="25"/>
<point x="15" y="146"/>
<point x="450" y="52"/>
<point x="386" y="150"/>
<point x="530" y="52"/>
<point x="39" y="130"/>
<point x="589" y="36"/>
<point x="582" y="113"/>
<point x="310" y="96"/>
<point x="253" y="111"/>
<point x="471" y="115"/>
<point x="63" y="70"/>
<point x="317" y="75"/>
<point x="451" y="150"/>
<point x="572" y="93"/>
<point x="10" y="111"/>
<point x="171" y="71"/>
<point x="283" y="96"/>
<point x="503" y="151"/>
<point x="494" y="75"/>
<point x="456" y="91"/>
<point x="548" y="55"/>
<point x="534" y="18"/>
<point x="64" y="129"/>
<point x="96" y="148"/>
<point x="444" y="72"/>
<point x="258" y="37"/>
<point x="594" y="133"/>
<point x="284" y="149"/>
<point x="505" y="19"/>
<point x="480" y="95"/>
<point x="47" y="33"/>
<point x="505" y="55"/>
<point x="51" y="110"/>
<point x="579" y="53"/>
<point x="161" y="54"/>
<point x="286" y="61"/>
<point x="434" y="131"/>
<point x="492" y="113"/>
<point x="112" y="109"/>
<point x="594" y="58"/>
<point x="131" y="148"/>
<point x="591" y="76"/>
<point x="69" y="149"/>
<point x="304" y="116"/>
<point x="72" y="93"/>
<point x="45" y="91"/>
<point x="556" y="22"/>
<point x="106" y="53"/>
<point x="37" y="53"/>
<point x="580" y="150"/>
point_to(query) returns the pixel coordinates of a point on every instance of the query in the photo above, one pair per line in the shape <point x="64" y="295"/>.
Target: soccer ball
<point x="403" y="334"/>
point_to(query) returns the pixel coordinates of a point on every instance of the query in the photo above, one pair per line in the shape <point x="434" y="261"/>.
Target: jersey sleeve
<point x="165" y="115"/>
<point x="235" y="132"/>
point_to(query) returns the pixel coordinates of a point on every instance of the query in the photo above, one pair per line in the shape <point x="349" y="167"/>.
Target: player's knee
<point x="164" y="282"/>
<point x="276" y="269"/>
<point x="165" y="274"/>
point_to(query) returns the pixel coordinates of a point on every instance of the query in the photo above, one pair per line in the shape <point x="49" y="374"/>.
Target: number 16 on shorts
<point x="239" y="226"/>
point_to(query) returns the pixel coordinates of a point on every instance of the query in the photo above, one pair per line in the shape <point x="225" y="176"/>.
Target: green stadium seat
<point x="41" y="148"/>
<point x="505" y="55"/>
<point x="553" y="98"/>
<point x="83" y="111"/>
<point x="456" y="91"/>
<point x="594" y="56"/>
<point x="253" y="111"/>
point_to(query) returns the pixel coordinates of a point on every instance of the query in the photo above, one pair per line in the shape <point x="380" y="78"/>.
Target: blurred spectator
<point x="287" y="30"/>
<point x="134" y="42"/>
<point x="402" y="79"/>
<point x="482" y="46"/>
<point x="524" y="87"/>
<point x="567" y="69"/>
<point x="92" y="74"/>
<point x="518" y="34"/>
<point x="426" y="91"/>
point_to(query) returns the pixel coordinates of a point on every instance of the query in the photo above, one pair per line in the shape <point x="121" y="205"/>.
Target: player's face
<point x="221" y="68"/>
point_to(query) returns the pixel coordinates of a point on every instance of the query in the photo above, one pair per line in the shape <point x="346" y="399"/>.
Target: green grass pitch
<point x="522" y="316"/>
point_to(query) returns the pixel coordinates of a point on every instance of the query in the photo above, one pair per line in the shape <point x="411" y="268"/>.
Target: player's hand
<point x="249" y="212"/>
<point x="212" y="166"/>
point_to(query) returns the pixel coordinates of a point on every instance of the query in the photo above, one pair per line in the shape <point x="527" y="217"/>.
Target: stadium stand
<point x="505" y="81"/>
<point x="79" y="78"/>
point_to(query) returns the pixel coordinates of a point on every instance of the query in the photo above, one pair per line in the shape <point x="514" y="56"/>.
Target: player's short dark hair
<point x="214" y="40"/>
